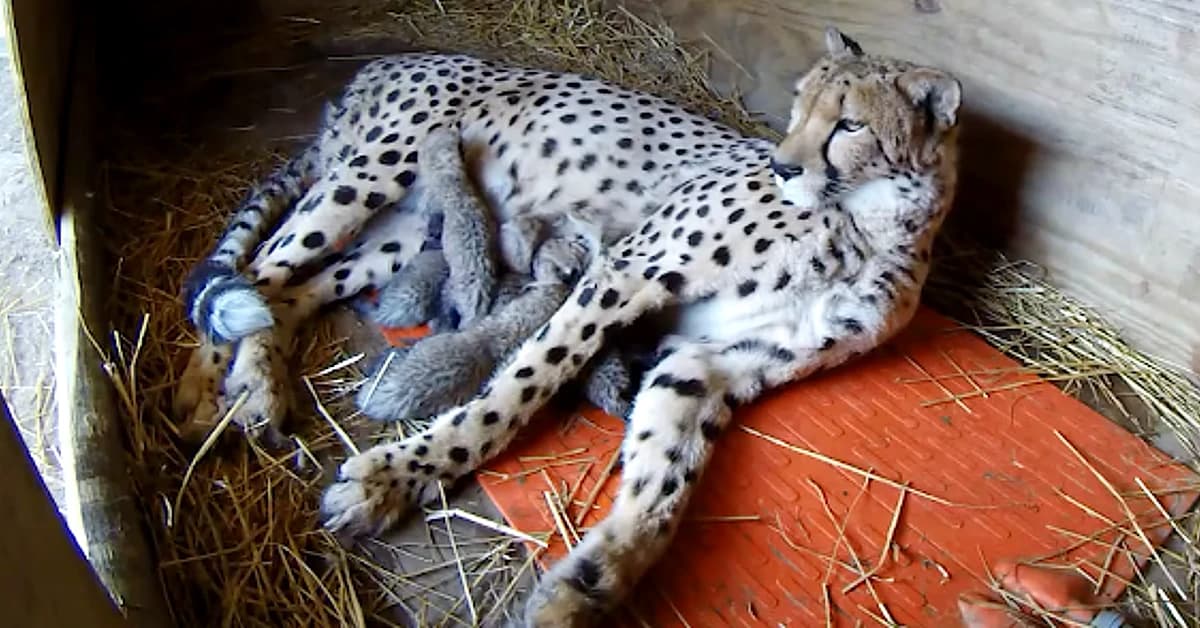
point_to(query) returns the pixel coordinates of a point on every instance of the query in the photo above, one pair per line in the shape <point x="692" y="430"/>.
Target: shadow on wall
<point x="993" y="163"/>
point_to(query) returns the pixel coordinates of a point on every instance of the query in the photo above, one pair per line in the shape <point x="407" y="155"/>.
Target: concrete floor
<point x="28" y="276"/>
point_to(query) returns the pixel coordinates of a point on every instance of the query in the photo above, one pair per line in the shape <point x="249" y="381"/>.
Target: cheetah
<point x="774" y="260"/>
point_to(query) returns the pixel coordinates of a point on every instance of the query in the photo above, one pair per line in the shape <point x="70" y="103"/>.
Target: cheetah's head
<point x="857" y="118"/>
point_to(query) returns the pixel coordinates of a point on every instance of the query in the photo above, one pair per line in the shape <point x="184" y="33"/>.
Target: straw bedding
<point x="235" y="526"/>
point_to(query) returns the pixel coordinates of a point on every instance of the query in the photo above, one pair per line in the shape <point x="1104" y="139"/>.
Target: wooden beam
<point x="47" y="582"/>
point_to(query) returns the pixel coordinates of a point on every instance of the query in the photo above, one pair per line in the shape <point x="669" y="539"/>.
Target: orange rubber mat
<point x="990" y="475"/>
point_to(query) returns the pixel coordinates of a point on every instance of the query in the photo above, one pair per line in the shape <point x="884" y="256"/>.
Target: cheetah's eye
<point x="850" y="126"/>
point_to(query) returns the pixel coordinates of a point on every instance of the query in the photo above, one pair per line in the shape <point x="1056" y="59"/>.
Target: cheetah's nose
<point x="786" y="171"/>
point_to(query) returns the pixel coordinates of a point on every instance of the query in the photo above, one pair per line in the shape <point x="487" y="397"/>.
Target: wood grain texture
<point x="41" y="33"/>
<point x="102" y="509"/>
<point x="46" y="581"/>
<point x="1080" y="132"/>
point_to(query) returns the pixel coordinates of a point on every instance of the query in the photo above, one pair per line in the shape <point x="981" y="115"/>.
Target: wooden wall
<point x="41" y="34"/>
<point x="1081" y="133"/>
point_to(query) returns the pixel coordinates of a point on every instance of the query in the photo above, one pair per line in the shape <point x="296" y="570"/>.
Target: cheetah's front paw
<point x="569" y="595"/>
<point x="561" y="259"/>
<point x="256" y="389"/>
<point x="373" y="492"/>
<point x="195" y="402"/>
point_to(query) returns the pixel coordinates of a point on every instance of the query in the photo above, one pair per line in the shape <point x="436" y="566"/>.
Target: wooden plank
<point x="102" y="510"/>
<point x="1079" y="134"/>
<point x="42" y="34"/>
<point x="47" y="582"/>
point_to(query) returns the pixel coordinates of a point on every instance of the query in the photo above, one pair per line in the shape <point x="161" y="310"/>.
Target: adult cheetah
<point x="780" y="260"/>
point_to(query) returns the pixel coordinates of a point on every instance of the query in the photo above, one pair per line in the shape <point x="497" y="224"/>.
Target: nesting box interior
<point x="151" y="120"/>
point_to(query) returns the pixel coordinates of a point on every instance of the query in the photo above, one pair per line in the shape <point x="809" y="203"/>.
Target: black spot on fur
<point x="609" y="298"/>
<point x="314" y="240"/>
<point x="491" y="418"/>
<point x="556" y="354"/>
<point x="345" y="195"/>
<point x="374" y="200"/>
<point x="784" y="279"/>
<point x="460" y="455"/>
<point x="672" y="281"/>
<point x="525" y="372"/>
<point x="682" y="387"/>
<point x="586" y="295"/>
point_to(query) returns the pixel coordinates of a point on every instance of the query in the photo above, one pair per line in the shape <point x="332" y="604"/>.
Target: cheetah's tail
<point x="223" y="304"/>
<point x="220" y="301"/>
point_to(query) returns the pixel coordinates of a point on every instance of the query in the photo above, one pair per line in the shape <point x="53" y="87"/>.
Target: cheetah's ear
<point x="839" y="45"/>
<point x="938" y="93"/>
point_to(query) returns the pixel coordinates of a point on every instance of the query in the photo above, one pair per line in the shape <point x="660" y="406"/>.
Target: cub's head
<point x="857" y="118"/>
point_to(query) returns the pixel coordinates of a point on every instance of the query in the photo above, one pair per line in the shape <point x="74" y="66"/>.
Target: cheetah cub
<point x="780" y="260"/>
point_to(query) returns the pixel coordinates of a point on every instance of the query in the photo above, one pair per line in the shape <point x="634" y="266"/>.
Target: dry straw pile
<point x="236" y="529"/>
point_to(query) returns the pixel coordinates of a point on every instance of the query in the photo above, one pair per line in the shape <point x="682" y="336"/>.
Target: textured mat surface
<point x="754" y="550"/>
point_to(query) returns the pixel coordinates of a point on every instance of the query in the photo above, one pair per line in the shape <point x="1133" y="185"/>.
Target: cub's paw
<point x="608" y="383"/>
<point x="375" y="489"/>
<point x="412" y="296"/>
<point x="195" y="402"/>
<point x="433" y="375"/>
<point x="519" y="239"/>
<point x="561" y="259"/>
<point x="470" y="296"/>
<point x="256" y="389"/>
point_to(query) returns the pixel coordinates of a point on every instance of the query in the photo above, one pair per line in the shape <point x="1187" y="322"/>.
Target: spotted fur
<point x="773" y="261"/>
